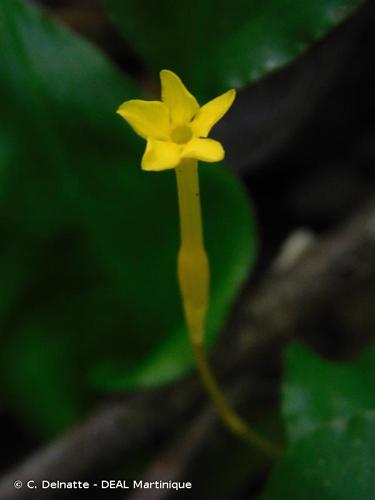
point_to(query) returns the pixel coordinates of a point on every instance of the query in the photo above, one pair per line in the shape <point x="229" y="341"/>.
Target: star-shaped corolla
<point x="176" y="127"/>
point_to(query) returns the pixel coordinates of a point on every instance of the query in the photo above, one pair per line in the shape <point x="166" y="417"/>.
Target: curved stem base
<point x="232" y="420"/>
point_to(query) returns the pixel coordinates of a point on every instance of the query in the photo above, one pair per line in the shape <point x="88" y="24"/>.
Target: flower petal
<point x="204" y="149"/>
<point x="210" y="113"/>
<point x="181" y="104"/>
<point x="161" y="155"/>
<point x="147" y="118"/>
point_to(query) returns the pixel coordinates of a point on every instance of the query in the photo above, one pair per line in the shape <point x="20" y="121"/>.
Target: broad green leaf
<point x="91" y="240"/>
<point x="214" y="45"/>
<point x="41" y="376"/>
<point x="225" y="209"/>
<point x="317" y="391"/>
<point x="333" y="462"/>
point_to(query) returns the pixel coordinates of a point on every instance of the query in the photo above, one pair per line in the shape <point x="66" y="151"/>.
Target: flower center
<point x="181" y="134"/>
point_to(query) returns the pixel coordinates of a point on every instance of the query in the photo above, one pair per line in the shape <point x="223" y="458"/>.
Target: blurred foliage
<point x="215" y="44"/>
<point x="89" y="298"/>
<point x="333" y="462"/>
<point x="327" y="407"/>
<point x="89" y="241"/>
<point x="317" y="391"/>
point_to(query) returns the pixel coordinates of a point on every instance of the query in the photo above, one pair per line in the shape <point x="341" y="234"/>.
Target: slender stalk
<point x="193" y="267"/>
<point x="233" y="421"/>
<point x="194" y="277"/>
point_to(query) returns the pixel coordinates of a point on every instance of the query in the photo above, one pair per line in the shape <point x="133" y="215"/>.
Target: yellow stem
<point x="233" y="421"/>
<point x="194" y="277"/>
<point x="193" y="267"/>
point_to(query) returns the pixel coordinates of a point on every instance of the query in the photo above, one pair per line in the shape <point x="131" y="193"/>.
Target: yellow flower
<point x="176" y="130"/>
<point x="176" y="127"/>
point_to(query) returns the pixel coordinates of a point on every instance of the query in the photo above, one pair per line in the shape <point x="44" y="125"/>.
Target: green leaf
<point x="333" y="462"/>
<point x="215" y="45"/>
<point x="317" y="391"/>
<point x="225" y="209"/>
<point x="40" y="376"/>
<point x="90" y="240"/>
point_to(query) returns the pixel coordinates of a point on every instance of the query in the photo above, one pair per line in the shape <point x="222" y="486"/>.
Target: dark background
<point x="303" y="140"/>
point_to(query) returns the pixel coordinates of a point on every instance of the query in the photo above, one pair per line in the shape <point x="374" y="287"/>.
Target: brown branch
<point x="173" y="461"/>
<point x="333" y="269"/>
